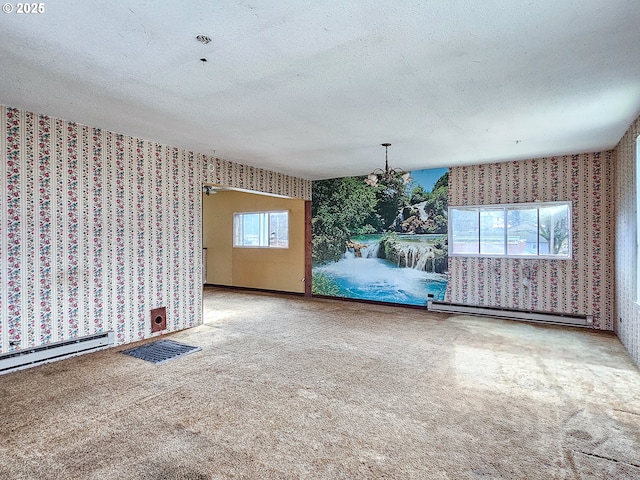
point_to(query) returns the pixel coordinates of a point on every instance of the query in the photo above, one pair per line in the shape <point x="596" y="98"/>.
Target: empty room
<point x="320" y="240"/>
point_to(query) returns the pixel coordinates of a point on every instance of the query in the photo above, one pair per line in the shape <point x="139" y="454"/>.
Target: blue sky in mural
<point x="428" y="178"/>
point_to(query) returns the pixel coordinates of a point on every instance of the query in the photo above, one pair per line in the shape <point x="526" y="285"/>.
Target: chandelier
<point x="387" y="175"/>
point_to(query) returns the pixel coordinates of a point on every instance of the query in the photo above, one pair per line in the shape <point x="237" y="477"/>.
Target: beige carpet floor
<point x="286" y="387"/>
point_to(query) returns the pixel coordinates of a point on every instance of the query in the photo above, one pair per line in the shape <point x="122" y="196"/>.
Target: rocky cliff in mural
<point x="428" y="257"/>
<point x="415" y="219"/>
<point x="425" y="212"/>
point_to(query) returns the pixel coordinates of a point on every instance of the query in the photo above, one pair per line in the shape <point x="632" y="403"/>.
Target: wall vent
<point x="33" y="356"/>
<point x="513" y="314"/>
<point x="158" y="319"/>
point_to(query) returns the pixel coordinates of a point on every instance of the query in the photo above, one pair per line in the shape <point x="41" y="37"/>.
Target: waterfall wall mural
<point x="386" y="243"/>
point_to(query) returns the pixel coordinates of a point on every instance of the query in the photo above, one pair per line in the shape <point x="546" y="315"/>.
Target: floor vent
<point x="161" y="351"/>
<point x="33" y="356"/>
<point x="513" y="314"/>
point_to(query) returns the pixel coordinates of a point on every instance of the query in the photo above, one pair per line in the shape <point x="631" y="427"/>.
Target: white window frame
<point x="505" y="208"/>
<point x="266" y="236"/>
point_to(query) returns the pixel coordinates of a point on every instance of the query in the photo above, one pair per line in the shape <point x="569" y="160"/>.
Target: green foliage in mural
<point x="388" y="244"/>
<point x="323" y="285"/>
<point x="345" y="207"/>
<point x="436" y="206"/>
<point x="340" y="209"/>
<point x="443" y="181"/>
<point x="391" y="199"/>
<point x="418" y="195"/>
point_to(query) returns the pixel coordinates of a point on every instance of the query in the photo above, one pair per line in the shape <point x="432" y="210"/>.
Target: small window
<point x="517" y="230"/>
<point x="261" y="229"/>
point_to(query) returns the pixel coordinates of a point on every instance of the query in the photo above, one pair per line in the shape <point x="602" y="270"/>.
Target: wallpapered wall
<point x="582" y="285"/>
<point x="222" y="172"/>
<point x="627" y="320"/>
<point x="98" y="228"/>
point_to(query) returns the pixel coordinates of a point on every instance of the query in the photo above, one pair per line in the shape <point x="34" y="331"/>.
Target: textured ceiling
<point x="312" y="88"/>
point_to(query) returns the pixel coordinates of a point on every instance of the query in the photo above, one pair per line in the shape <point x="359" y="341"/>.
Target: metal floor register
<point x="161" y="351"/>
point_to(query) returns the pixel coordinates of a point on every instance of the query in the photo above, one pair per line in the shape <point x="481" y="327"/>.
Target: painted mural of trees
<point x="345" y="207"/>
<point x="435" y="206"/>
<point x="341" y="207"/>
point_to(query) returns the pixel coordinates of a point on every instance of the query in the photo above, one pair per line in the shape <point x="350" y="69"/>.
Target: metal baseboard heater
<point x="513" y="314"/>
<point x="29" y="357"/>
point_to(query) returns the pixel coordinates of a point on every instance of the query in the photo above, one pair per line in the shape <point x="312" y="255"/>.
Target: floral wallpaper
<point x="223" y="172"/>
<point x="627" y="311"/>
<point x="582" y="285"/>
<point x="98" y="228"/>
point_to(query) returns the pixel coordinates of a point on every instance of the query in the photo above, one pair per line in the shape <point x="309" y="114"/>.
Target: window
<point x="516" y="230"/>
<point x="261" y="229"/>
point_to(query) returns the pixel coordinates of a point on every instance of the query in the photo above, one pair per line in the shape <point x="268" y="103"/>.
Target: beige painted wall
<point x="269" y="269"/>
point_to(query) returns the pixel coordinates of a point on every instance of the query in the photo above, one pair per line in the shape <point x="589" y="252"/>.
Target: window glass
<point x="463" y="226"/>
<point x="516" y="230"/>
<point x="522" y="231"/>
<point x="554" y="230"/>
<point x="492" y="232"/>
<point x="261" y="229"/>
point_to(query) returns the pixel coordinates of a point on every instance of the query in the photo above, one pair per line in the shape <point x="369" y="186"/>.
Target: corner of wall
<point x="624" y="198"/>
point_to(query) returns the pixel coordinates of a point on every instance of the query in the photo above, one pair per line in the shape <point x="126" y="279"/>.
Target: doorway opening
<point x="235" y="264"/>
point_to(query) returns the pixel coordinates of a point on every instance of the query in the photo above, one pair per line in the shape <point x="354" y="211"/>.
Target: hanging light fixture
<point x="388" y="174"/>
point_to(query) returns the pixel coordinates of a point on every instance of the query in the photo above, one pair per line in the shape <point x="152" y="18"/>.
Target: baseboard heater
<point x="513" y="314"/>
<point x="29" y="357"/>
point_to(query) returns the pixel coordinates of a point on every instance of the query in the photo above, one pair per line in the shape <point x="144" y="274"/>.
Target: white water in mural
<point x="418" y="257"/>
<point x="370" y="251"/>
<point x="372" y="278"/>
<point x="377" y="279"/>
